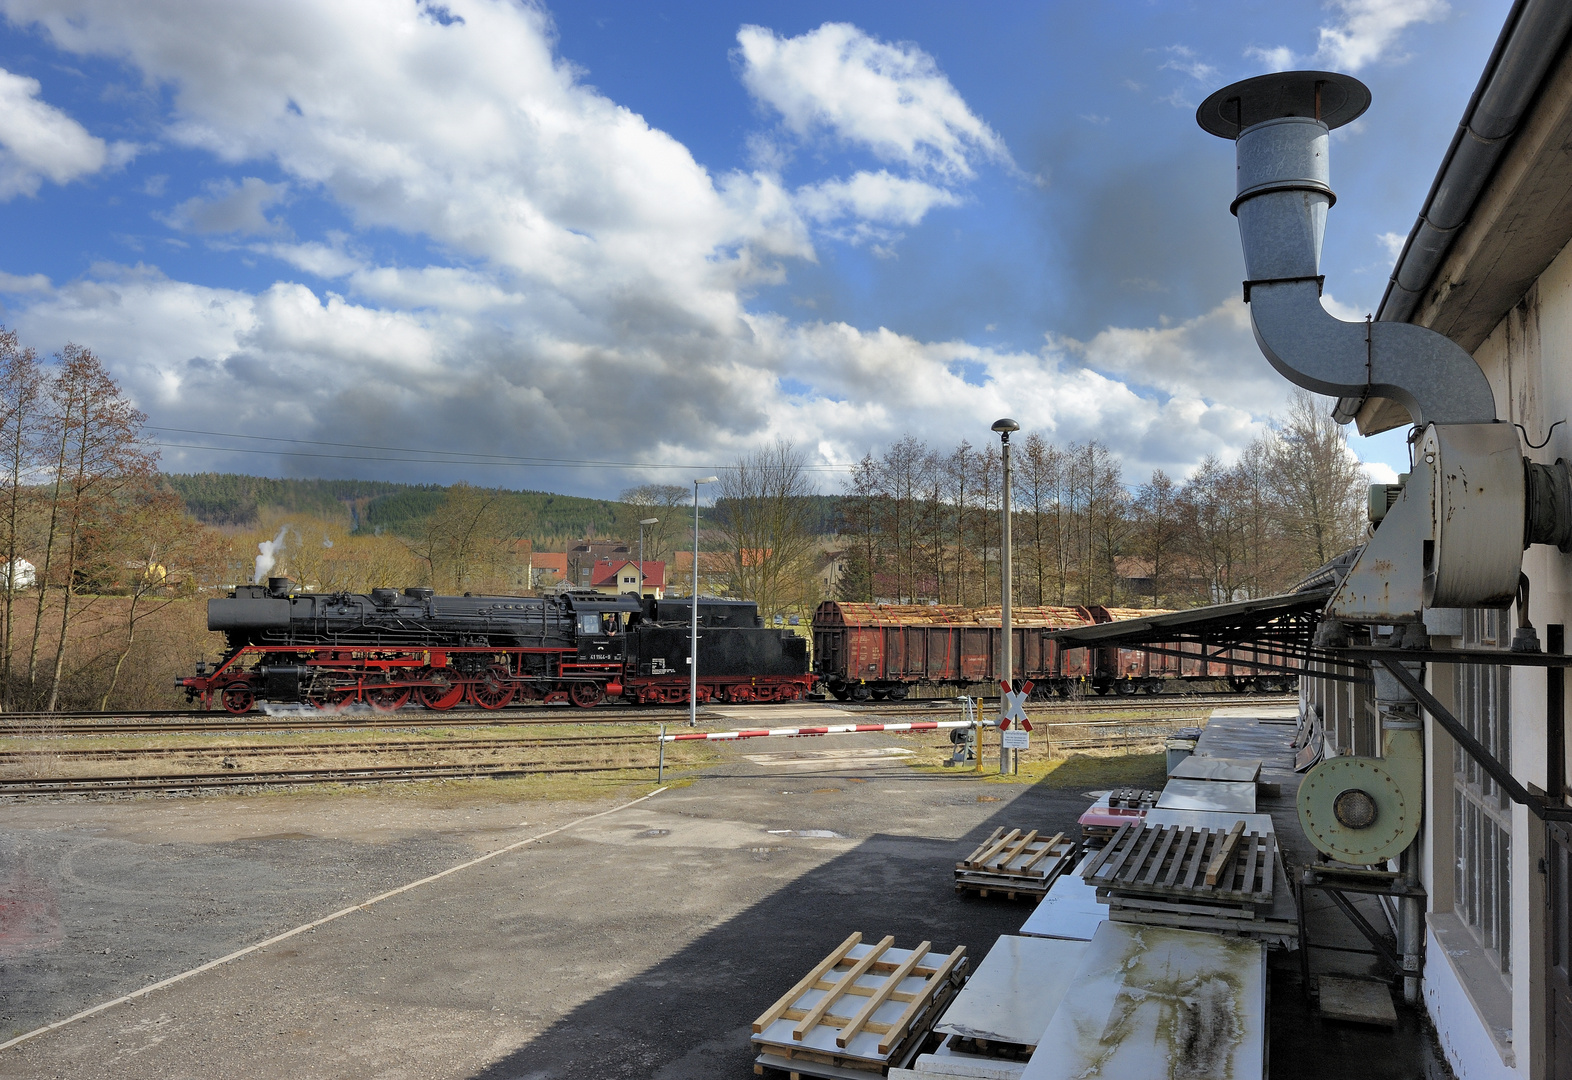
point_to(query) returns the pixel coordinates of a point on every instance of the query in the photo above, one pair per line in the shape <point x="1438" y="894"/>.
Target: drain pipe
<point x="1530" y="41"/>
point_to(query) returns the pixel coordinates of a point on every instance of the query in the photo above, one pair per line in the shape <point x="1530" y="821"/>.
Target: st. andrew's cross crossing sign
<point x="1013" y="706"/>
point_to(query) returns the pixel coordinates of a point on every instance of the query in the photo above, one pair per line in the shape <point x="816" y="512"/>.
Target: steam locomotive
<point x="388" y="648"/>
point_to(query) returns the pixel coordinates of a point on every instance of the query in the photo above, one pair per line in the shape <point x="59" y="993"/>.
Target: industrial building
<point x="1487" y="267"/>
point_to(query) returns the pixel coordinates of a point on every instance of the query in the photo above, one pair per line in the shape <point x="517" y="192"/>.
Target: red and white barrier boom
<point x="830" y="729"/>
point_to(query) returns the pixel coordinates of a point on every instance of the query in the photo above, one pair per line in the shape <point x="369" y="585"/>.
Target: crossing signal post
<point x="1012" y="712"/>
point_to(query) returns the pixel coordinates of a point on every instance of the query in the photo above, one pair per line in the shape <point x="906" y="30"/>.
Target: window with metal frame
<point x="1481" y="811"/>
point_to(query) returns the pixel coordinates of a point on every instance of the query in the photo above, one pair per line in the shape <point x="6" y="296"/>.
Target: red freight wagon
<point x="882" y="650"/>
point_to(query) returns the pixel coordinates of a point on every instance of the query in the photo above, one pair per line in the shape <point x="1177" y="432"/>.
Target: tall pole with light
<point x="1007" y="643"/>
<point x="643" y="522"/>
<point x="693" y="642"/>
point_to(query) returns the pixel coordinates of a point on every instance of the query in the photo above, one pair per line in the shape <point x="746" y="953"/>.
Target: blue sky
<point x="583" y="245"/>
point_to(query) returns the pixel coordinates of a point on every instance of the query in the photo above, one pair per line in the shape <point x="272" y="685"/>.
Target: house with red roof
<point x="617" y="576"/>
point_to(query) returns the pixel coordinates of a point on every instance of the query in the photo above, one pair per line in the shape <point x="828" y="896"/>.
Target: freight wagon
<point x="881" y="651"/>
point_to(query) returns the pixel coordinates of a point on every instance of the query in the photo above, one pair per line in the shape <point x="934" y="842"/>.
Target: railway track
<point x="160" y="722"/>
<point x="390" y="746"/>
<point x="101" y="785"/>
<point x="235" y="775"/>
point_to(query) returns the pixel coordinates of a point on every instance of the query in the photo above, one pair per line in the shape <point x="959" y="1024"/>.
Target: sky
<point x="584" y="245"/>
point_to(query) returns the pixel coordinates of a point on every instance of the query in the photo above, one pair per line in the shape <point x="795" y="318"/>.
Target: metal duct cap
<point x="1332" y="98"/>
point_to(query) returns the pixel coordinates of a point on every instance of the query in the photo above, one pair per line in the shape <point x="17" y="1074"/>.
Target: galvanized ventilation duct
<point x="1281" y="125"/>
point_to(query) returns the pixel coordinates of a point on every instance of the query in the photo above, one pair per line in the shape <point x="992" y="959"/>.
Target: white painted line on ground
<point x="237" y="954"/>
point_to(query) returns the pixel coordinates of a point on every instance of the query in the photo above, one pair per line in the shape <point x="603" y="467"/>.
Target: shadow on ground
<point x="688" y="1017"/>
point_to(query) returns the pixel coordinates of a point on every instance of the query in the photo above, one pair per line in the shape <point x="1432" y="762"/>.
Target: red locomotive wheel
<point x="494" y="691"/>
<point x="238" y="698"/>
<point x="586" y="695"/>
<point x="440" y="697"/>
<point x="388" y="698"/>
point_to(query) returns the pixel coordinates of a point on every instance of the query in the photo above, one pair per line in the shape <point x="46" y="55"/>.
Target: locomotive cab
<point x="602" y="628"/>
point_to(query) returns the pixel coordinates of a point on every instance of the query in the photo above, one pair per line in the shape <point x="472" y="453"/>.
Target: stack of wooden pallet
<point x="861" y="1010"/>
<point x="1015" y="864"/>
<point x="1190" y="877"/>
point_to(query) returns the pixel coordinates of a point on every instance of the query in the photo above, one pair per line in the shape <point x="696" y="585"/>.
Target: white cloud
<point x="873" y="197"/>
<point x="323" y="260"/>
<point x="38" y="142"/>
<point x="1183" y="58"/>
<point x="1211" y="357"/>
<point x="1369" y="29"/>
<point x="1278" y="58"/>
<point x="1393" y="242"/>
<point x="891" y="99"/>
<point x="29" y="283"/>
<point x="1379" y="472"/>
<point x="589" y="294"/>
<point x="231" y="208"/>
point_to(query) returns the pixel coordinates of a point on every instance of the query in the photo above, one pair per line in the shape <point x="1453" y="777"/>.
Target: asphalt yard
<point x="628" y="939"/>
<point x="640" y="943"/>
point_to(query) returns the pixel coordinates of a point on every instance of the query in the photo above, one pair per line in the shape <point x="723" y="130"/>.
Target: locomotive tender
<point x="388" y="647"/>
<point x="883" y="650"/>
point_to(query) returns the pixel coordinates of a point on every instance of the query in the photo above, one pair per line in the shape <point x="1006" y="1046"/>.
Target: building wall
<point x="1493" y="1026"/>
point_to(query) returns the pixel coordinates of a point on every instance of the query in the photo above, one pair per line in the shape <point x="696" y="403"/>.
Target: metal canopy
<point x="1281" y="629"/>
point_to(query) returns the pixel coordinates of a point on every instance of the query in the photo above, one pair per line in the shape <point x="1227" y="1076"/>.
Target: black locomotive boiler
<point x="390" y="647"/>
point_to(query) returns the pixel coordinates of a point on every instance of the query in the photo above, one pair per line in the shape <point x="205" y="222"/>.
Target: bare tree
<point x="462" y="543"/>
<point x="144" y="546"/>
<point x="1318" y="482"/>
<point x="21" y="400"/>
<point x="665" y="501"/>
<point x="1213" y="534"/>
<point x="98" y="453"/>
<point x="1037" y="475"/>
<point x="764" y="511"/>
<point x="860" y="515"/>
<point x="1157" y="529"/>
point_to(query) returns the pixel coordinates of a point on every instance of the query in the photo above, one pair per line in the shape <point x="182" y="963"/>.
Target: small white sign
<point x="1017" y="740"/>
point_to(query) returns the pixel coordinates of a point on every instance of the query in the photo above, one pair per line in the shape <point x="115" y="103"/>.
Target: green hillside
<point x="542" y="516"/>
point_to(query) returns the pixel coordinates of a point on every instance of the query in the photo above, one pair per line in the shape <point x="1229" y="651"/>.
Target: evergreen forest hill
<point x="373" y="506"/>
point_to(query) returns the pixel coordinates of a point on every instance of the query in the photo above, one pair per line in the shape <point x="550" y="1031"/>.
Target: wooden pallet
<point x="860" y="1008"/>
<point x="1186" y="865"/>
<point x="1015" y="864"/>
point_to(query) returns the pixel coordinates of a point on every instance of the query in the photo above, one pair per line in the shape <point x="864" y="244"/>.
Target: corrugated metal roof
<point x="1242" y="615"/>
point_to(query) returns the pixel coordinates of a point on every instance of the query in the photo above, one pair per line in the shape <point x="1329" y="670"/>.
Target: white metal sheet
<point x="1153" y="1003"/>
<point x="1069" y="910"/>
<point x="1236" y="770"/>
<point x="1014" y="991"/>
<point x="947" y="1064"/>
<point x="1208" y="795"/>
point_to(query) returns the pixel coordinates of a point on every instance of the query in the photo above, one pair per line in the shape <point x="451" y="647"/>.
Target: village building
<point x="617" y="576"/>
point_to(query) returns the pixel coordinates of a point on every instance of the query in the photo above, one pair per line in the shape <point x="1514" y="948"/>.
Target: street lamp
<point x="693" y="642"/>
<point x="643" y="522"/>
<point x="1006" y="650"/>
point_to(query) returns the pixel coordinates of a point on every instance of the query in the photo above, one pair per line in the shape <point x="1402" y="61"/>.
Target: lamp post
<point x="693" y="643"/>
<point x="1006" y="646"/>
<point x="643" y="522"/>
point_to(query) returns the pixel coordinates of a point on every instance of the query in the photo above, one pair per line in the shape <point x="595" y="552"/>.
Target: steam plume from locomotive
<point x="267" y="556"/>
